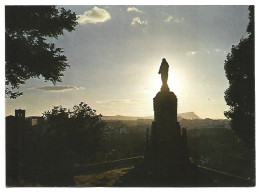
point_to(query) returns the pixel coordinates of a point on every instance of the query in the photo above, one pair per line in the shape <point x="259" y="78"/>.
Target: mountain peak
<point x="189" y="115"/>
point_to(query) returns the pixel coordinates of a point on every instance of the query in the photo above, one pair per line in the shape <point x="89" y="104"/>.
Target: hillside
<point x="187" y="115"/>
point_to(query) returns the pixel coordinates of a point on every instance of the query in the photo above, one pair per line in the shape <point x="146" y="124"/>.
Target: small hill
<point x="188" y="115"/>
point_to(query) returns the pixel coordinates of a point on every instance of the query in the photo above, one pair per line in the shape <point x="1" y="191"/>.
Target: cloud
<point x="136" y="100"/>
<point x="58" y="88"/>
<point x="134" y="9"/>
<point x="204" y="52"/>
<point x="174" y="19"/>
<point x="215" y="51"/>
<point x="94" y="15"/>
<point x="137" y="20"/>
<point x="168" y="19"/>
<point x="191" y="53"/>
<point x="178" y="20"/>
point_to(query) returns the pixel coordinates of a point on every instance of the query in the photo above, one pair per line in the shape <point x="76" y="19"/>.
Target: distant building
<point x="35" y="120"/>
<point x="19" y="113"/>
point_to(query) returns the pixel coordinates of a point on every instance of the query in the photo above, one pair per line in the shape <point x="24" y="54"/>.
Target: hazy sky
<point x="116" y="51"/>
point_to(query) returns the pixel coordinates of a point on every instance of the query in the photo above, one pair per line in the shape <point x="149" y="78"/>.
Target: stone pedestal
<point x="168" y="142"/>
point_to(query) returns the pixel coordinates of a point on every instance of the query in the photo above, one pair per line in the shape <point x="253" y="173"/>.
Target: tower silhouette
<point x="19" y="113"/>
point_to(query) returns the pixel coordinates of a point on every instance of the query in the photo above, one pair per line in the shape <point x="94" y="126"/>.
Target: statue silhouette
<point x="164" y="71"/>
<point x="164" y="74"/>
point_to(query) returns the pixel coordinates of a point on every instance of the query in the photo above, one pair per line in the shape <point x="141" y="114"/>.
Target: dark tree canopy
<point x="79" y="129"/>
<point x="28" y="55"/>
<point x="240" y="96"/>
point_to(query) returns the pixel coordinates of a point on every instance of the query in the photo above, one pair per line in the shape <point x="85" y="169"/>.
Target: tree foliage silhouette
<point x="240" y="95"/>
<point x="45" y="154"/>
<point x="28" y="55"/>
<point x="80" y="130"/>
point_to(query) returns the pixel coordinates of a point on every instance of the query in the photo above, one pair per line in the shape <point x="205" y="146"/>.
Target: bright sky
<point x="116" y="51"/>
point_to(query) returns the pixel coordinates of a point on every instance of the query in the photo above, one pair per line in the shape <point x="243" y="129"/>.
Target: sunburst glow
<point x="173" y="83"/>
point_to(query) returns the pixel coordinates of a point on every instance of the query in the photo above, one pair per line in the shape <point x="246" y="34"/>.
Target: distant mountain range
<point x="188" y="115"/>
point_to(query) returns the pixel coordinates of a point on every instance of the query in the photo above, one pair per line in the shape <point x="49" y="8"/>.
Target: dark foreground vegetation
<point x="45" y="154"/>
<point x="58" y="149"/>
<point x="220" y="149"/>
